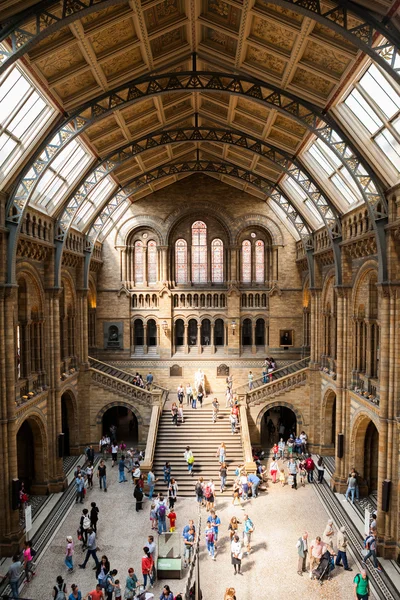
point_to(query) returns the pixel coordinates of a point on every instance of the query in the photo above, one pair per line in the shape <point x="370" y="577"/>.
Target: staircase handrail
<point x="155" y="386"/>
<point x="274" y="375"/>
<point x="137" y="393"/>
<point x="249" y="463"/>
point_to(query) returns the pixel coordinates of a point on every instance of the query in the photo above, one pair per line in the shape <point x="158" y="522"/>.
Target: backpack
<point x="60" y="593"/>
<point x="208" y="491"/>
<point x="367" y="542"/>
<point x="210" y="536"/>
<point x="86" y="522"/>
<point x="161" y="511"/>
<point x="190" y="460"/>
<point x="199" y="489"/>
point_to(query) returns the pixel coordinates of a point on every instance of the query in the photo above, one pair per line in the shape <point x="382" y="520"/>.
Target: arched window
<point x="199" y="252"/>
<point x="139" y="271"/>
<point x="246" y="261"/>
<point x="152" y="262"/>
<point x="217" y="261"/>
<point x="181" y="261"/>
<point x="260" y="261"/>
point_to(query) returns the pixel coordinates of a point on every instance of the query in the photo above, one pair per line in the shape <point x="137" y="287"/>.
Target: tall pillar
<point x="145" y="266"/>
<point x="199" y="338"/>
<point x="253" y="338"/>
<point x="212" y="340"/>
<point x="233" y="273"/>
<point x="185" y="338"/>
<point x="145" y="348"/>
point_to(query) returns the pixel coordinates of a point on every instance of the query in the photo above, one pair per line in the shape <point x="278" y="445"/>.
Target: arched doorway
<point x="179" y="332"/>
<point x="138" y="335"/>
<point x="205" y="332"/>
<point x="151" y="333"/>
<point x="329" y="421"/>
<point x="371" y="452"/>
<point x="125" y="423"/>
<point x="219" y="332"/>
<point x="260" y="332"/>
<point x="192" y="332"/>
<point x="246" y="333"/>
<point x="277" y="422"/>
<point x="68" y="427"/>
<point x="31" y="458"/>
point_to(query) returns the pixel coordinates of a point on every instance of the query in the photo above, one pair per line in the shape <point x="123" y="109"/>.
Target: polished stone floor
<point x="280" y="515"/>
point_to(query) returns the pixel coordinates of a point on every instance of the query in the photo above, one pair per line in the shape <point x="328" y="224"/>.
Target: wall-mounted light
<point x="164" y="326"/>
<point x="233" y="325"/>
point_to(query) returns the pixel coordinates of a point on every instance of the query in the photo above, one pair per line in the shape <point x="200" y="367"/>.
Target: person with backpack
<point x="361" y="585"/>
<point x="94" y="516"/>
<point x="84" y="526"/>
<point x="188" y="456"/>
<point x="215" y="523"/>
<point x="69" y="552"/>
<point x="60" y="589"/>
<point x="110" y="584"/>
<point x="351" y="487"/>
<point x="130" y="584"/>
<point x="210" y="540"/>
<point x="161" y="513"/>
<point x="209" y="493"/>
<point x="91" y="549"/>
<point x="370" y="551"/>
<point x="199" y="489"/>
<point x="189" y="539"/>
<point x="147" y="567"/>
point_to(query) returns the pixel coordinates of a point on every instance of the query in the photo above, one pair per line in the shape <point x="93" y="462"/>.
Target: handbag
<point x="128" y="594"/>
<point x="364" y="552"/>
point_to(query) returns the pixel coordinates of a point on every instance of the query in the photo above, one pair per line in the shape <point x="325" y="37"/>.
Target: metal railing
<point x="193" y="579"/>
<point x="274" y="375"/>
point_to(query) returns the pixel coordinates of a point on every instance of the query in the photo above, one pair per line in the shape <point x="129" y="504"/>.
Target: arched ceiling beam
<point x="46" y="18"/>
<point x="289" y="165"/>
<point x="197" y="166"/>
<point x="310" y="116"/>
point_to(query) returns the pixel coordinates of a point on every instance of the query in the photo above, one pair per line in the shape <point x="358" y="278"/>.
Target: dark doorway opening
<point x="219" y="332"/>
<point x="260" y="332"/>
<point x="192" y="332"/>
<point x="126" y="424"/>
<point x="65" y="425"/>
<point x="205" y="332"/>
<point x="151" y="333"/>
<point x="246" y="333"/>
<point x="26" y="456"/>
<point x="179" y="332"/>
<point x="138" y="332"/>
<point x="277" y="422"/>
<point x="371" y="452"/>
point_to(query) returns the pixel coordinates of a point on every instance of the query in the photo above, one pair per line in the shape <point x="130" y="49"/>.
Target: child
<point x="275" y="450"/>
<point x="172" y="519"/>
<point x="282" y="477"/>
<point x="237" y="501"/>
<point x="117" y="589"/>
<point x="302" y="474"/>
<point x="153" y="516"/>
<point x="290" y="480"/>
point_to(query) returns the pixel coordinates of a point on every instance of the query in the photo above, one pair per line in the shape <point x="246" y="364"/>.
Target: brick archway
<point x="102" y="412"/>
<point x="299" y="417"/>
<point x="33" y="459"/>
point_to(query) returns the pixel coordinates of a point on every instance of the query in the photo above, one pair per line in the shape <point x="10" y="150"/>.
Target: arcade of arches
<point x="249" y="230"/>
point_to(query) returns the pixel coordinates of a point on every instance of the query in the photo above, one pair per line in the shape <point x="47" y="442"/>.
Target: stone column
<point x="145" y="347"/>
<point x="253" y="338"/>
<point x="185" y="338"/>
<point x="212" y="340"/>
<point x="199" y="338"/>
<point x="233" y="273"/>
<point x="145" y="266"/>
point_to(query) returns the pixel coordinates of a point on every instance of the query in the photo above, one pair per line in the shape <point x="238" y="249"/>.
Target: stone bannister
<point x="282" y="380"/>
<point x="121" y="382"/>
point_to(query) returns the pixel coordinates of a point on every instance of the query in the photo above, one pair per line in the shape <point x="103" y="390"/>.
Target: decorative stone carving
<point x="222" y="370"/>
<point x="113" y="335"/>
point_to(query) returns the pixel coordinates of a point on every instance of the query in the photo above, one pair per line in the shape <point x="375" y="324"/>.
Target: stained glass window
<point x="217" y="261"/>
<point x="181" y="261"/>
<point x="152" y="262"/>
<point x="199" y="252"/>
<point x="139" y="271"/>
<point x="260" y="261"/>
<point x="246" y="261"/>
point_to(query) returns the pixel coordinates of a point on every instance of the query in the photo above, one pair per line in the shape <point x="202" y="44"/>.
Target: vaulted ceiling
<point x="126" y="40"/>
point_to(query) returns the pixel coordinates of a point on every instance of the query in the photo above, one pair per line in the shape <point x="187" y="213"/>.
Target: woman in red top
<point x="147" y="567"/>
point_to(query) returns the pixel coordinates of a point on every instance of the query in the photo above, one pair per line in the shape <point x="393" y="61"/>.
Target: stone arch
<point x="70" y="421"/>
<point x="328" y="419"/>
<point x="36" y="461"/>
<point x="266" y="223"/>
<point x="269" y="405"/>
<point x="361" y="421"/>
<point x="364" y="271"/>
<point x="123" y="231"/>
<point x="26" y="270"/>
<point x="128" y="405"/>
<point x="206" y="207"/>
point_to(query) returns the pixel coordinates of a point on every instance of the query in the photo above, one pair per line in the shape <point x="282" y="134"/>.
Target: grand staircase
<point x="204" y="437"/>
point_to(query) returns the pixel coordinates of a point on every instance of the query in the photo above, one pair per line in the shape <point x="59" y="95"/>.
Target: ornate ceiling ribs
<point x="292" y="167"/>
<point x="353" y="22"/>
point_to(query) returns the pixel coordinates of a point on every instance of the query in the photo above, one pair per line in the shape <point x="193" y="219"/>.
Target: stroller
<point x="324" y="568"/>
<point x="143" y="594"/>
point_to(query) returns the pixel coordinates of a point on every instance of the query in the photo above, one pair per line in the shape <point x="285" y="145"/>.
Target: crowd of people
<point x="290" y="465"/>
